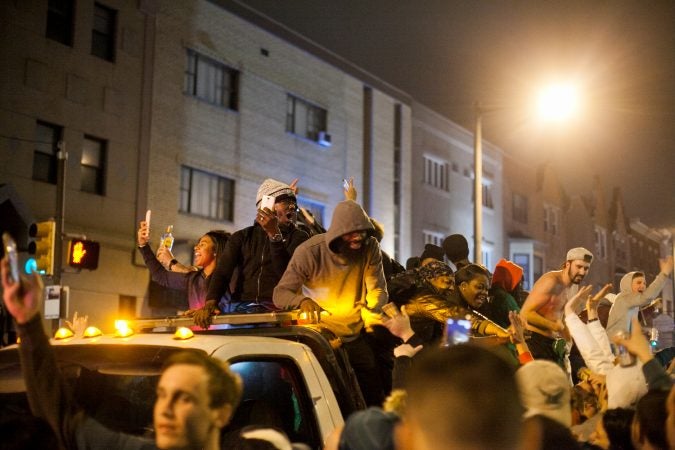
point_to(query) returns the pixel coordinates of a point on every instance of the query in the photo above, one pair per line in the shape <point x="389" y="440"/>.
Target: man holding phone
<point x="259" y="254"/>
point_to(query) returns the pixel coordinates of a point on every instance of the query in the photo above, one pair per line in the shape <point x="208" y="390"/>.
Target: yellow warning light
<point x="183" y="333"/>
<point x="63" y="333"/>
<point x="122" y="329"/>
<point x="91" y="332"/>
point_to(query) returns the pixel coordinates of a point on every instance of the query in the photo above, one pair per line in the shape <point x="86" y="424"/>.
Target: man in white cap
<point x="543" y="308"/>
<point x="259" y="254"/>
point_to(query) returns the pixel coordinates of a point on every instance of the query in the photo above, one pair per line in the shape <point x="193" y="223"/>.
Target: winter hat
<point x="579" y="253"/>
<point x="507" y="275"/>
<point x="456" y="247"/>
<point x="545" y="389"/>
<point x="369" y="429"/>
<point x="274" y="188"/>
<point x="432" y="251"/>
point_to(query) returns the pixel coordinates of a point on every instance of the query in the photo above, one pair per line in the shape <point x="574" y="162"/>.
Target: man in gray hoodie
<point x="337" y="278"/>
<point x="635" y="293"/>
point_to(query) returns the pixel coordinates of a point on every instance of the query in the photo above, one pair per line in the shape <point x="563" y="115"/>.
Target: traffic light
<point x="43" y="245"/>
<point x="83" y="254"/>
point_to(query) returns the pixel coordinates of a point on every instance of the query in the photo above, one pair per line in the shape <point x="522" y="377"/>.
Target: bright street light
<point x="558" y="102"/>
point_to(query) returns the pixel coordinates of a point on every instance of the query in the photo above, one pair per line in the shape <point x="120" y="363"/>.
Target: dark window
<point x="304" y="119"/>
<point x="523" y="260"/>
<point x="211" y="81"/>
<point x="93" y="165"/>
<point x="103" y="32"/>
<point x="47" y="137"/>
<point x="519" y="208"/>
<point x="205" y="194"/>
<point x="60" y="21"/>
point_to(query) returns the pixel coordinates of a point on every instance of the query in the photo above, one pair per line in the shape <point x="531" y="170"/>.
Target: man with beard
<point x="543" y="308"/>
<point x="260" y="253"/>
<point x="337" y="278"/>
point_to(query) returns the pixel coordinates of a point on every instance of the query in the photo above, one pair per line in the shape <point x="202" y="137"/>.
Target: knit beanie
<point x="274" y="188"/>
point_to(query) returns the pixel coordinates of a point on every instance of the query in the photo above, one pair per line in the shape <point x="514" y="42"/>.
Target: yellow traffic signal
<point x="43" y="245"/>
<point x="83" y="254"/>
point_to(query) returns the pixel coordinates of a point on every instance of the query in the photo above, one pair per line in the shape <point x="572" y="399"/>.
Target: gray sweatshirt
<point x="627" y="303"/>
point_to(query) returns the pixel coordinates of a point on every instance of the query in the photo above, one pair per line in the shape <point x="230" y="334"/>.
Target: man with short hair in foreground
<point x="463" y="397"/>
<point x="196" y="394"/>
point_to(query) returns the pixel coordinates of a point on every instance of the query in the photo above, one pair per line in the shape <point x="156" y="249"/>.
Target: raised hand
<point x="572" y="303"/>
<point x="143" y="234"/>
<point x="666" y="265"/>
<point x="22" y="298"/>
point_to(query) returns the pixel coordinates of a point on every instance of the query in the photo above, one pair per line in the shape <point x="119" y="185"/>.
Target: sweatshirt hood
<point x="347" y="218"/>
<point x="626" y="282"/>
<point x="507" y="275"/>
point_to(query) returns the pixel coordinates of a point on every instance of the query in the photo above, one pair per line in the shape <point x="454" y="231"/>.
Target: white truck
<point x="293" y="378"/>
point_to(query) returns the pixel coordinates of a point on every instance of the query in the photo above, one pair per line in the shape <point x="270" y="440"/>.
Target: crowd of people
<point x="536" y="370"/>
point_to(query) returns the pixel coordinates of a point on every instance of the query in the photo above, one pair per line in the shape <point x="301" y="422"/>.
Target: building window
<point x="103" y="32"/>
<point x="487" y="196"/>
<point x="47" y="137"/>
<point x="316" y="209"/>
<point x="207" y="195"/>
<point x="486" y="199"/>
<point x="601" y="242"/>
<point x="433" y="237"/>
<point x="304" y="119"/>
<point x="523" y="260"/>
<point x="519" y="208"/>
<point x="60" y="21"/>
<point x="93" y="165"/>
<point x="436" y="173"/>
<point x="211" y="81"/>
<point x="455" y="167"/>
<point x="551" y="219"/>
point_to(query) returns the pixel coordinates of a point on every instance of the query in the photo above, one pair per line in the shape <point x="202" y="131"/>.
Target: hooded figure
<point x="627" y="303"/>
<point x="341" y="278"/>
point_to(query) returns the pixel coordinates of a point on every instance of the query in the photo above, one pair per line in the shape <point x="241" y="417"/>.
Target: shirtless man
<point x="543" y="308"/>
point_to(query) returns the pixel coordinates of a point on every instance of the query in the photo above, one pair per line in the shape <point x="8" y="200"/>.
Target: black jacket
<point x="259" y="264"/>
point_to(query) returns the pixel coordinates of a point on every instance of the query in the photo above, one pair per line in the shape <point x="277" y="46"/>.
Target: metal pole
<point x="62" y="158"/>
<point x="478" y="189"/>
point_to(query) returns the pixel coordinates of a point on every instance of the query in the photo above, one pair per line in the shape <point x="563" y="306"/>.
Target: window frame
<point x="99" y="170"/>
<point x="226" y="83"/>
<point x="436" y="173"/>
<point x="315" y="119"/>
<point x="59" y="21"/>
<point x="52" y="161"/>
<point x="185" y="206"/>
<point x="108" y="37"/>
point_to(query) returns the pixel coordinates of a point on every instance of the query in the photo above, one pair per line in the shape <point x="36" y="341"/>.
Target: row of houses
<point x="185" y="107"/>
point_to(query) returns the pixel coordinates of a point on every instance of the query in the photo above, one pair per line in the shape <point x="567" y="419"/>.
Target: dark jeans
<point x="362" y="360"/>
<point x="544" y="347"/>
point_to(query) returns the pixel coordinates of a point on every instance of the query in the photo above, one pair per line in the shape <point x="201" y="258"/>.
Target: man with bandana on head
<point x="543" y="308"/>
<point x="259" y="254"/>
<point x="337" y="278"/>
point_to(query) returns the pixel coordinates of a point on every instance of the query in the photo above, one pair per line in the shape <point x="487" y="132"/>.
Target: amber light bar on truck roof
<point x="282" y="318"/>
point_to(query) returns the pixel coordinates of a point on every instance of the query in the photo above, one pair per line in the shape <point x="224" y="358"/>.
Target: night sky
<point x="449" y="54"/>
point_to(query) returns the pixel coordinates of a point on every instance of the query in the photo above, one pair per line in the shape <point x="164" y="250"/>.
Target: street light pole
<point x="478" y="188"/>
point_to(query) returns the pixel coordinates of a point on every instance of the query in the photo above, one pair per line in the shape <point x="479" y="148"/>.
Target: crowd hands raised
<point x="510" y="386"/>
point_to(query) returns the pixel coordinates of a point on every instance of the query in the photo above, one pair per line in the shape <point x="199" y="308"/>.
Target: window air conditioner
<point x="324" y="139"/>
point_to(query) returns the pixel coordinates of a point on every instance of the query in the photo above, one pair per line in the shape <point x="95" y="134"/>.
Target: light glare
<point x="558" y="102"/>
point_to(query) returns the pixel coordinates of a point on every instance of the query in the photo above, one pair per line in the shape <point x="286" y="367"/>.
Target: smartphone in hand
<point x="267" y="202"/>
<point x="12" y="256"/>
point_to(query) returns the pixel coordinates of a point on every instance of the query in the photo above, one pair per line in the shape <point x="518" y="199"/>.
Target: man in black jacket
<point x="257" y="254"/>
<point x="196" y="394"/>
